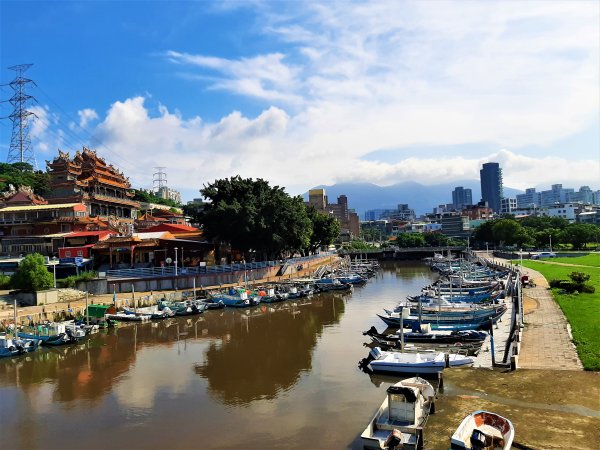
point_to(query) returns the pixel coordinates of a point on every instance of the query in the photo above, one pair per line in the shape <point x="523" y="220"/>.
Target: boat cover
<point x="408" y="393"/>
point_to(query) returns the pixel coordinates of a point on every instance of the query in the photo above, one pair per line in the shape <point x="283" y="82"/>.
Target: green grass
<point x="592" y="260"/>
<point x="581" y="310"/>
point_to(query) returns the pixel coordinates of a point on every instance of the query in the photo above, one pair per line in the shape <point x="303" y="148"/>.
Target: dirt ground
<point x="548" y="409"/>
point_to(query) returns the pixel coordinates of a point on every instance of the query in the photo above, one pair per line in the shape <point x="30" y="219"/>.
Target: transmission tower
<point x="20" y="149"/>
<point x="159" y="179"/>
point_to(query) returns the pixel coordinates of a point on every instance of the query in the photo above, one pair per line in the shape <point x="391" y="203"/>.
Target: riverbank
<point x="550" y="409"/>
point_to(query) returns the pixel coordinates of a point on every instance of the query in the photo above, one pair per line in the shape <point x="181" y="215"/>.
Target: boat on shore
<point x="51" y="333"/>
<point x="483" y="430"/>
<point x="400" y="419"/>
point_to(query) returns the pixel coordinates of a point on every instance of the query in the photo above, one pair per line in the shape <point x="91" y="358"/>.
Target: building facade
<point x="87" y="179"/>
<point x="462" y="197"/>
<point x="528" y="199"/>
<point x="508" y="205"/>
<point x="491" y="185"/>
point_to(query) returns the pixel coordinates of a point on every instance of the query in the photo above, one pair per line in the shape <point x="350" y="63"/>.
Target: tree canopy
<point x="252" y="215"/>
<point x="141" y="195"/>
<point x="22" y="174"/>
<point x="540" y="232"/>
<point x="32" y="274"/>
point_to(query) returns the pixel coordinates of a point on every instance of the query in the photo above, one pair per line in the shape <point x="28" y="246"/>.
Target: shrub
<point x="579" y="277"/>
<point x="588" y="289"/>
<point x="72" y="280"/>
<point x="32" y="274"/>
<point x="4" y="281"/>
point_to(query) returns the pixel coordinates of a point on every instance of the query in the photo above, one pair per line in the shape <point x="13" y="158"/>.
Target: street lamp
<point x="54" y="269"/>
<point x="521" y="252"/>
<point x="550" y="243"/>
<point x="182" y="258"/>
<point x="176" y="261"/>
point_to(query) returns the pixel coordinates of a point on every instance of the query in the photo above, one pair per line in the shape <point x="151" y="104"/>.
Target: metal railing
<point x="164" y="272"/>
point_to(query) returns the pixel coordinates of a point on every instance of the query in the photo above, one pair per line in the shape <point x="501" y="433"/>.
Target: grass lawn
<point x="592" y="260"/>
<point x="582" y="310"/>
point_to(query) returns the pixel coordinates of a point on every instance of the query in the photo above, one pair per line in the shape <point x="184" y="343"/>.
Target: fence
<point x="168" y="272"/>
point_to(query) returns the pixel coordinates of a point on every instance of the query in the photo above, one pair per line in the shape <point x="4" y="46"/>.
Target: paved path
<point x="547" y="341"/>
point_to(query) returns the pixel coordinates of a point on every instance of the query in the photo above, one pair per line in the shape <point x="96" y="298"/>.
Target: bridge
<point x="399" y="253"/>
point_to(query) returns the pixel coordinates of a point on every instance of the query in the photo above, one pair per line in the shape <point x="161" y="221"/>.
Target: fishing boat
<point x="419" y="362"/>
<point x="400" y="419"/>
<point x="483" y="430"/>
<point x="126" y="316"/>
<point x="332" y="284"/>
<point x="236" y="298"/>
<point x="454" y="320"/>
<point x="12" y="347"/>
<point x="50" y="333"/>
<point x="427" y="335"/>
<point x="212" y="303"/>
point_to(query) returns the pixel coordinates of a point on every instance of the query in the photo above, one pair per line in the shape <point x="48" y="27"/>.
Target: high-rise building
<point x="507" y="205"/>
<point x="317" y="198"/>
<point x="462" y="197"/>
<point x="556" y="194"/>
<point x="528" y="199"/>
<point x="491" y="185"/>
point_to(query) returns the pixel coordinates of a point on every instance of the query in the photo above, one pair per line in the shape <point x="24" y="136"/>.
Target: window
<point x="67" y="254"/>
<point x="79" y="252"/>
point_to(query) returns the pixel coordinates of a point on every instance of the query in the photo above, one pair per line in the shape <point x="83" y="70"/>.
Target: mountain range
<point x="422" y="198"/>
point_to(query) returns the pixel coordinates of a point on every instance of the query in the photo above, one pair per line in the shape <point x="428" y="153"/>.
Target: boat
<point x="156" y="312"/>
<point x="426" y="335"/>
<point x="482" y="430"/>
<point x="332" y="284"/>
<point x="50" y="333"/>
<point x="212" y="303"/>
<point x="16" y="346"/>
<point x="454" y="320"/>
<point x="236" y="298"/>
<point x="401" y="417"/>
<point x="419" y="362"/>
<point x="128" y="317"/>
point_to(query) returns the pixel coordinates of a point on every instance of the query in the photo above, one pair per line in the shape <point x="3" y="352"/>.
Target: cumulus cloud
<point x="351" y="78"/>
<point x="86" y="116"/>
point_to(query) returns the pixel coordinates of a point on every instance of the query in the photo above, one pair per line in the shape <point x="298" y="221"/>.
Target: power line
<point x="114" y="154"/>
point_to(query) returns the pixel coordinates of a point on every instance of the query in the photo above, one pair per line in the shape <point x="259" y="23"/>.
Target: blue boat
<point x="452" y="319"/>
<point x="49" y="334"/>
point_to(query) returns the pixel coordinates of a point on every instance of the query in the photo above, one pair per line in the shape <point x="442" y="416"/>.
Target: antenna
<point x="159" y="179"/>
<point x="20" y="149"/>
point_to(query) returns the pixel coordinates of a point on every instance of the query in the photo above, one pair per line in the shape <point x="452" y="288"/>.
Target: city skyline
<point x="306" y="94"/>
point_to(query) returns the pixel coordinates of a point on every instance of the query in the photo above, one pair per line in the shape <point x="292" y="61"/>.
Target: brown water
<point x="281" y="376"/>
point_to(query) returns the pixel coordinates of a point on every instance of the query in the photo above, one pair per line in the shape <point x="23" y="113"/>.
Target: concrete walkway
<point x="547" y="341"/>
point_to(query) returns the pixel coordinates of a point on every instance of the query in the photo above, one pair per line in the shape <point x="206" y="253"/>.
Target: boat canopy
<point x="100" y="310"/>
<point x="409" y="393"/>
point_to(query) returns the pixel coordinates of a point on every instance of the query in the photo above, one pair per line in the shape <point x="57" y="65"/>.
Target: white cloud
<point x="350" y="78"/>
<point x="86" y="116"/>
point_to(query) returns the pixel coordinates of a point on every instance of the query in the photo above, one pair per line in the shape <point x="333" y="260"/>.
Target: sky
<point x="307" y="93"/>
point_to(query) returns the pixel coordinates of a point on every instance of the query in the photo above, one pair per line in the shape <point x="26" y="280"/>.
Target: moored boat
<point x="483" y="430"/>
<point x="401" y="416"/>
<point x="419" y="362"/>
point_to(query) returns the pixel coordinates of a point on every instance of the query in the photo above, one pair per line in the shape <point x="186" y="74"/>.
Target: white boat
<point x="127" y="317"/>
<point x="483" y="430"/>
<point x="401" y="417"/>
<point x="420" y="362"/>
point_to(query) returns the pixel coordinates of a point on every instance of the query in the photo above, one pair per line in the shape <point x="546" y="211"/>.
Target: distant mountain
<point x="365" y="196"/>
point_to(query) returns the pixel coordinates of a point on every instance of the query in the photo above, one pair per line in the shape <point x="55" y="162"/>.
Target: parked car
<point x="544" y="255"/>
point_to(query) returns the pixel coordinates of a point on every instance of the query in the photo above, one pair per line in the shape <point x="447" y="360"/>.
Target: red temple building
<point x="87" y="179"/>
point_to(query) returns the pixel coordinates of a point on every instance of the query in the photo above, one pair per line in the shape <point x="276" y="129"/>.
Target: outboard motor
<point x="371" y="331"/>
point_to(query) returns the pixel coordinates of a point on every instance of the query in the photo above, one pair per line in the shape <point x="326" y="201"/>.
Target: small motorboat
<point x="16" y="346"/>
<point x="400" y="419"/>
<point x="483" y="430"/>
<point x="414" y="362"/>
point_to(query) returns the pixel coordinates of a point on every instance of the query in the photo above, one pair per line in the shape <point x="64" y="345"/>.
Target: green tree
<point x="32" y="274"/>
<point x="407" y="240"/>
<point x="579" y="234"/>
<point x="325" y="228"/>
<point x="485" y="233"/>
<point x="251" y="215"/>
<point x="509" y="232"/>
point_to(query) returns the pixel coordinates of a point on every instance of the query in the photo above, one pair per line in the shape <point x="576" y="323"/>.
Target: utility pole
<point x="159" y="181"/>
<point x="20" y="149"/>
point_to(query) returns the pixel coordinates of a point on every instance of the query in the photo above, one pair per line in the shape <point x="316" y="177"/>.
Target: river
<point x="281" y="376"/>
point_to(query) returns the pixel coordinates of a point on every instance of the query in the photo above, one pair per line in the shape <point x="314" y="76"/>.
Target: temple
<point x="87" y="179"/>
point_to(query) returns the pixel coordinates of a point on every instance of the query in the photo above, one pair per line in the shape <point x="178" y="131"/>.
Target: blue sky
<point x="311" y="93"/>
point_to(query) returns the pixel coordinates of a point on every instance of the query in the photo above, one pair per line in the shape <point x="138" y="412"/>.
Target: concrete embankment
<point x="76" y="304"/>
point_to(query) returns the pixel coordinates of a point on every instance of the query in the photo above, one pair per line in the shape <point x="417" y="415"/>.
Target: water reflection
<point x="265" y="354"/>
